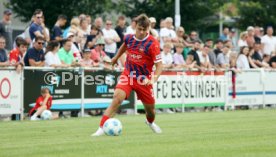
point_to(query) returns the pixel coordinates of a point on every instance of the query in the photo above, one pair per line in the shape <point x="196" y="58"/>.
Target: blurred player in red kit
<point x="143" y="52"/>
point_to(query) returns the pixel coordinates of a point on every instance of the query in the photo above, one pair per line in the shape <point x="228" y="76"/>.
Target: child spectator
<point x="86" y="61"/>
<point x="178" y="58"/>
<point x="17" y="54"/>
<point x="167" y="58"/>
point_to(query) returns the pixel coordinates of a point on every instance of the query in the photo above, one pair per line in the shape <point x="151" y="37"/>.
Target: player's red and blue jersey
<point x="141" y="55"/>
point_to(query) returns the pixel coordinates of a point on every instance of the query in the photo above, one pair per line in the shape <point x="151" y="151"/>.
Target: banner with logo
<point x="189" y="89"/>
<point x="10" y="92"/>
<point x="101" y="85"/>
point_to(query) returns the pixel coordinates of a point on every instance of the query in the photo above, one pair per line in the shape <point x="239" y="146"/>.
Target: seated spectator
<point x="257" y="55"/>
<point x="272" y="62"/>
<point x="167" y="58"/>
<point x="65" y="54"/>
<point x="219" y="46"/>
<point x="97" y="53"/>
<point x="193" y="58"/>
<point x="252" y="62"/>
<point x="35" y="55"/>
<point x="51" y="56"/>
<point x="178" y="58"/>
<point x="266" y="60"/>
<point x="242" y="61"/>
<point x="44" y="102"/>
<point x="57" y="31"/>
<point x="3" y="53"/>
<point x="92" y="38"/>
<point x="17" y="54"/>
<point x="86" y="61"/>
<point x="204" y="58"/>
<point x="223" y="58"/>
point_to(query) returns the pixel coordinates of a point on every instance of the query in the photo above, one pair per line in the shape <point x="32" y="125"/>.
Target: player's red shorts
<point x="144" y="93"/>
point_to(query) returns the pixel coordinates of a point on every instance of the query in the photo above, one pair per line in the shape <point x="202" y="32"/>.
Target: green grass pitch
<point x="232" y="133"/>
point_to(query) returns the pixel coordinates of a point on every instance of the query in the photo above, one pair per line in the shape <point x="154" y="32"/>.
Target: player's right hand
<point x="114" y="61"/>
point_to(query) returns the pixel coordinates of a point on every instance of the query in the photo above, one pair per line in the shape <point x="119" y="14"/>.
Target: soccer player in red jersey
<point x="143" y="52"/>
<point x="44" y="102"/>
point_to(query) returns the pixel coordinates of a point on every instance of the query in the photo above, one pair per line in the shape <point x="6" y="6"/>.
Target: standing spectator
<point x="36" y="29"/>
<point x="225" y="34"/>
<point x="193" y="37"/>
<point x="3" y="53"/>
<point x="86" y="61"/>
<point x="56" y="30"/>
<point x="234" y="40"/>
<point x="131" y="29"/>
<point x="153" y="31"/>
<point x="111" y="38"/>
<point x="5" y="28"/>
<point x="51" y="56"/>
<point x="268" y="41"/>
<point x="167" y="34"/>
<point x="74" y="27"/>
<point x="92" y="38"/>
<point x="250" y="40"/>
<point x="167" y="58"/>
<point x="120" y="29"/>
<point x="99" y="23"/>
<point x="97" y="53"/>
<point x="223" y="60"/>
<point x="82" y="33"/>
<point x="18" y="53"/>
<point x="89" y="21"/>
<point x="65" y="54"/>
<point x="204" y="58"/>
<point x="35" y="55"/>
<point x="242" y="61"/>
<point x="257" y="34"/>
<point x="242" y="41"/>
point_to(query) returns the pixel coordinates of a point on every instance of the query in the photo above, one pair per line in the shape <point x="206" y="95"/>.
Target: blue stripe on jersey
<point x="145" y="67"/>
<point x="147" y="46"/>
<point x="130" y="42"/>
<point x="130" y="70"/>
<point x="135" y="45"/>
<point x="136" y="70"/>
<point x="127" y="38"/>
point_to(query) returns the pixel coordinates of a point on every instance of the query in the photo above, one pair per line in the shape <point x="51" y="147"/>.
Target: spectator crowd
<point x="93" y="43"/>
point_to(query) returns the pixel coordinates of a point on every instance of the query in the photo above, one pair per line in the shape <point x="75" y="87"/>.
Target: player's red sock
<point x="150" y="119"/>
<point x="104" y="118"/>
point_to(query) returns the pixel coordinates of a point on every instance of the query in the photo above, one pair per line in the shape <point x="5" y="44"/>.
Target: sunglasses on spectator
<point x="40" y="43"/>
<point x="101" y="44"/>
<point x="39" y="17"/>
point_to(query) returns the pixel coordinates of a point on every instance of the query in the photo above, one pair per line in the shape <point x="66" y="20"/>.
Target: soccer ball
<point x="46" y="115"/>
<point x="112" y="127"/>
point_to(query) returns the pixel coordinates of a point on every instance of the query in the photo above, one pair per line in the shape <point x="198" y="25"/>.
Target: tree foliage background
<point x="195" y="15"/>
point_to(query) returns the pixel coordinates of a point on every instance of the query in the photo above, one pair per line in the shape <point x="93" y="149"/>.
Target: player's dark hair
<point x="143" y="20"/>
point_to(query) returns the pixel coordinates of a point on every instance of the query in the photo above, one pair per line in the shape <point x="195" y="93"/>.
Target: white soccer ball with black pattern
<point x="112" y="127"/>
<point x="46" y="115"/>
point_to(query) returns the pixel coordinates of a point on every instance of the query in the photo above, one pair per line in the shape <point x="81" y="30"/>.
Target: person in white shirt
<point x="167" y="34"/>
<point x="51" y="57"/>
<point x="131" y="29"/>
<point x="203" y="57"/>
<point x="111" y="38"/>
<point x="153" y="31"/>
<point x="167" y="58"/>
<point x="242" y="61"/>
<point x="242" y="41"/>
<point x="268" y="41"/>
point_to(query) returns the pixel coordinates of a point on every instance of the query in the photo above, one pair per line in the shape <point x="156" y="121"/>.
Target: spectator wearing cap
<point x="225" y="34"/>
<point x="36" y="29"/>
<point x="250" y="40"/>
<point x="5" y="28"/>
<point x="35" y="55"/>
<point x="121" y="29"/>
<point x="111" y="38"/>
<point x="86" y="61"/>
<point x="3" y="53"/>
<point x="56" y="30"/>
<point x="234" y="40"/>
<point x="97" y="53"/>
<point x="131" y="29"/>
<point x="167" y="34"/>
<point x="152" y="30"/>
<point x="268" y="41"/>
